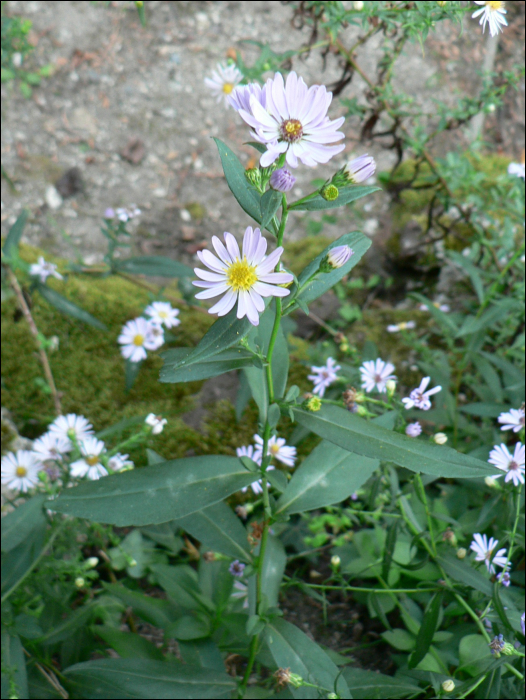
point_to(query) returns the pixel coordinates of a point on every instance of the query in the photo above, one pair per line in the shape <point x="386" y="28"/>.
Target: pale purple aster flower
<point x="224" y="81"/>
<point x="413" y="430"/>
<point x="445" y="308"/>
<point x="491" y="13"/>
<point x="497" y="644"/>
<point x="501" y="457"/>
<point x="282" y="180"/>
<point x="488" y="624"/>
<point x="278" y="449"/>
<point x="44" y="269"/>
<point x="337" y="257"/>
<point x="516" y="169"/>
<point x="376" y="374"/>
<point x="109" y="213"/>
<point x="484" y="552"/>
<point x="360" y="169"/>
<point x="514" y="420"/>
<point x="51" y="446"/>
<point x="89" y="465"/>
<point x="324" y="376"/>
<point x="244" y="279"/>
<point x="156" y="423"/>
<point x="504" y="578"/>
<point x="20" y="470"/>
<point x="162" y="313"/>
<point x="241" y="593"/>
<point x="137" y="336"/>
<point x="236" y="568"/>
<point x="294" y="122"/>
<point x="71" y="427"/>
<point x="523" y="623"/>
<point x="419" y="397"/>
<point x="250" y="452"/>
<point x="404" y="326"/>
<point x="125" y="214"/>
<point x="118" y="462"/>
<point x="240" y="97"/>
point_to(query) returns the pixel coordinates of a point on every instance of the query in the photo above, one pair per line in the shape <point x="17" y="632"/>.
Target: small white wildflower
<point x="125" y="214"/>
<point x="376" y="374"/>
<point x="157" y="423"/>
<point x="20" y="470"/>
<point x="445" y="308"/>
<point x="89" y="465"/>
<point x="250" y="452"/>
<point x="324" y="376"/>
<point x="224" y="81"/>
<point x="419" y="397"/>
<point x="484" y="552"/>
<point x="118" y="462"/>
<point x="71" y="426"/>
<point x="491" y="13"/>
<point x="162" y="313"/>
<point x="517" y="169"/>
<point x="51" y="446"/>
<point x="501" y="457"/>
<point x="513" y="420"/>
<point x="44" y="270"/>
<point x="404" y="326"/>
<point x="278" y="449"/>
<point x="136" y="338"/>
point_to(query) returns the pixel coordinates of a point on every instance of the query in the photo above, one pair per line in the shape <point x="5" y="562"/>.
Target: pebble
<point x="53" y="198"/>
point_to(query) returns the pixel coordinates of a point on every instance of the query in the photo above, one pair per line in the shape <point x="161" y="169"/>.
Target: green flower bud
<point x="461" y="553"/>
<point x="508" y="649"/>
<point x="314" y="403"/>
<point x="330" y="193"/>
<point x="335" y="561"/>
<point x="79" y="582"/>
<point x="253" y="175"/>
<point x="449" y="685"/>
<point x="391" y="388"/>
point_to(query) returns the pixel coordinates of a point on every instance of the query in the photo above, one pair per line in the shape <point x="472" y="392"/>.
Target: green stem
<point x="272" y="344"/>
<point x="423" y="496"/>
<point x="284" y="217"/>
<point x="251" y="658"/>
<point x="515" y="526"/>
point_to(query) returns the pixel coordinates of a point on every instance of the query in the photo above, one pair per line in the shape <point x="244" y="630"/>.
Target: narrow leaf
<point x="174" y="371"/>
<point x="270" y="203"/>
<point x="464" y="573"/>
<point x="131" y="372"/>
<point x="154" y="266"/>
<point x="247" y="197"/>
<point x="346" y="196"/>
<point x="365" y="438"/>
<point x="370" y="685"/>
<point x="15" y="234"/>
<point x="155" y="494"/>
<point x="427" y="630"/>
<point x="65" y="306"/>
<point x="18" y="524"/>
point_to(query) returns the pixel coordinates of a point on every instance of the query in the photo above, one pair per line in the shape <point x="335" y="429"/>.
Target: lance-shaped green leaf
<point x="427" y="630"/>
<point x="154" y="266"/>
<point x="370" y="440"/>
<point x="18" y="524"/>
<point x="155" y="494"/>
<point x="328" y="475"/>
<point x="311" y="290"/>
<point x="13" y="660"/>
<point x="292" y="649"/>
<point x="65" y="306"/>
<point x="270" y="203"/>
<point x="15" y="234"/>
<point x="465" y="573"/>
<point x="370" y="685"/>
<point x="219" y="530"/>
<point x="131" y="372"/>
<point x="146" y="678"/>
<point x="247" y="197"/>
<point x="346" y="196"/>
<point x="225" y="361"/>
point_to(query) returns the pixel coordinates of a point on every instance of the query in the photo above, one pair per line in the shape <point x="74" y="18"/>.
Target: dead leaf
<point x="70" y="183"/>
<point x="134" y="151"/>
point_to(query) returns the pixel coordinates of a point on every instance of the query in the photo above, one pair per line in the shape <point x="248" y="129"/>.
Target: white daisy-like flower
<point x="162" y="313"/>
<point x="44" y="269"/>
<point x="125" y="214"/>
<point x="324" y="376"/>
<point x="250" y="452"/>
<point x="90" y="465"/>
<point x="419" y="397"/>
<point x="513" y="420"/>
<point x="71" y="427"/>
<point x="223" y="82"/>
<point x="118" y="462"/>
<point x="157" y="423"/>
<point x="241" y="593"/>
<point x="404" y="326"/>
<point x="445" y="308"/>
<point x="485" y="552"/>
<point x="413" y="430"/>
<point x="244" y="279"/>
<point x="294" y="121"/>
<point x="240" y="97"/>
<point x="491" y="13"/>
<point x="517" y="169"/>
<point x="20" y="470"/>
<point x="51" y="446"/>
<point x="278" y="449"/>
<point x="136" y="338"/>
<point x="376" y="374"/>
<point x="502" y="458"/>
<point x="157" y="335"/>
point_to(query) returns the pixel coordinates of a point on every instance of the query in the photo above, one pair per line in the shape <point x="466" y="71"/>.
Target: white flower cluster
<point x="276" y="448"/>
<point x="140" y="334"/>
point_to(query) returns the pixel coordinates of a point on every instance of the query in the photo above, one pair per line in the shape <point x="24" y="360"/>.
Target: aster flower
<point x="89" y="465"/>
<point x="294" y="122"/>
<point x="241" y="593"/>
<point x="501" y="457"/>
<point x="157" y="423"/>
<point x="44" y="269"/>
<point x="136" y="338"/>
<point x="156" y="335"/>
<point x="337" y="257"/>
<point x="445" y="308"/>
<point x="504" y="578"/>
<point x="240" y="97"/>
<point x="484" y="552"/>
<point x="20" y="470"/>
<point x="497" y="644"/>
<point x="125" y="214"/>
<point x="250" y="452"/>
<point x="360" y="169"/>
<point x="419" y="397"/>
<point x="324" y="376"/>
<point x="413" y="430"/>
<point x="282" y="180"/>
<point x="236" y="568"/>
<point x="118" y="462"/>
<point x="162" y="313"/>
<point x="376" y="374"/>
<point x="51" y="446"/>
<point x="513" y="420"/>
<point x="517" y="169"/>
<point x="71" y="427"/>
<point x="404" y="326"/>
<point x="244" y="279"/>
<point x="491" y="13"/>
<point x="523" y="625"/>
<point x="223" y="81"/>
<point x="278" y="449"/>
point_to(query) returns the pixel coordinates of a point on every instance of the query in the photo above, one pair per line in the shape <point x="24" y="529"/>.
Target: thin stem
<point x="284" y="217"/>
<point x="273" y="338"/>
<point x="251" y="658"/>
<point x="34" y="332"/>
<point x="515" y="526"/>
<point x="423" y="495"/>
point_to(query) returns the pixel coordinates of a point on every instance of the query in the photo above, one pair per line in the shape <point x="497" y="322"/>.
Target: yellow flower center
<point x="21" y="471"/>
<point x="495" y="5"/>
<point x="274" y="449"/>
<point x="402" y="326"/>
<point x="93" y="460"/>
<point x="241" y="275"/>
<point x="228" y="87"/>
<point x="138" y="340"/>
<point x="163" y="314"/>
<point x="291" y="130"/>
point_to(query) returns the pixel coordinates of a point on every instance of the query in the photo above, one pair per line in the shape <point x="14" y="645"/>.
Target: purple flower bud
<point x="339" y="256"/>
<point x="413" y="430"/>
<point x="236" y="568"/>
<point x="360" y="169"/>
<point x="109" y="213"/>
<point x="282" y="180"/>
<point x="522" y="624"/>
<point x="504" y="578"/>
